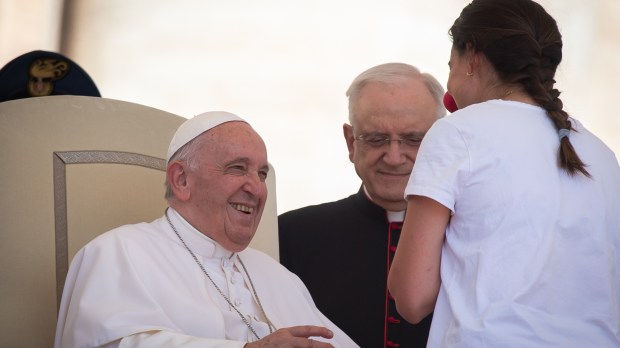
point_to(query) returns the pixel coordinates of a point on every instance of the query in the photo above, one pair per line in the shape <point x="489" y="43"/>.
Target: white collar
<point x="392" y="216"/>
<point x="395" y="216"/>
<point x="197" y="241"/>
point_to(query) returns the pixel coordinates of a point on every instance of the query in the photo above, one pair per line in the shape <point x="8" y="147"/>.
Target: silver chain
<point x="260" y="306"/>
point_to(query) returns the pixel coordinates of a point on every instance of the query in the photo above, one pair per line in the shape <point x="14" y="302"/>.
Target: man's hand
<point x="294" y="337"/>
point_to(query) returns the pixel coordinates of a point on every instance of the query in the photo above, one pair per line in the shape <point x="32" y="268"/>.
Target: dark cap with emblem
<point x="43" y="73"/>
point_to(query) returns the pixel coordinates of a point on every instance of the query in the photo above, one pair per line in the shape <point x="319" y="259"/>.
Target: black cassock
<point x="342" y="251"/>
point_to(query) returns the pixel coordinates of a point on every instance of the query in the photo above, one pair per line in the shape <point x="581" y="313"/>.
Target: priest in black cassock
<point x="342" y="250"/>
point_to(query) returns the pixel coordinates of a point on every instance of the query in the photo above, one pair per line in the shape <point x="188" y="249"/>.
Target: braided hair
<point x="524" y="45"/>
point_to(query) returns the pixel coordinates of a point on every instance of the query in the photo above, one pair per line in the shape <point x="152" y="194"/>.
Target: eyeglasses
<point x="376" y="141"/>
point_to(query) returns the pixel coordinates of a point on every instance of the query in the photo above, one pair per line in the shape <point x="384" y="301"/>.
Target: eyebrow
<point x="245" y="160"/>
<point x="408" y="134"/>
<point x="238" y="160"/>
<point x="414" y="134"/>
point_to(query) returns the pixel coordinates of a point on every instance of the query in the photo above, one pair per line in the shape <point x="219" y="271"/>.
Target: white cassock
<point x="138" y="286"/>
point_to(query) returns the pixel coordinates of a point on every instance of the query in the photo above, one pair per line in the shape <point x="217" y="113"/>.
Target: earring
<point x="470" y="73"/>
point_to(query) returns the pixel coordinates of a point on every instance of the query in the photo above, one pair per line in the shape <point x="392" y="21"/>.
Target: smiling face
<point x="406" y="109"/>
<point x="224" y="195"/>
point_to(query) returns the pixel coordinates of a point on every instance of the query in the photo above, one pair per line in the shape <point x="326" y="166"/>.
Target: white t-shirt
<point x="531" y="256"/>
<point x="138" y="283"/>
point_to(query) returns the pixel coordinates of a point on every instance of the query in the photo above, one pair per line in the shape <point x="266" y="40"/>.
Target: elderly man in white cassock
<point x="188" y="279"/>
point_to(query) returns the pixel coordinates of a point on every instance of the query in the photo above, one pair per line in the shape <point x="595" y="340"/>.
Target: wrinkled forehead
<point x="235" y="140"/>
<point x="410" y="107"/>
<point x="232" y="132"/>
<point x="401" y="122"/>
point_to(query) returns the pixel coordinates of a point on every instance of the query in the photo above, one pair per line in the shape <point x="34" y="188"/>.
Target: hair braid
<point x="524" y="45"/>
<point x="548" y="98"/>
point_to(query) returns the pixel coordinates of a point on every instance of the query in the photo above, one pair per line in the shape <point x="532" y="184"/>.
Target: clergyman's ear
<point x="347" y="131"/>
<point x="177" y="179"/>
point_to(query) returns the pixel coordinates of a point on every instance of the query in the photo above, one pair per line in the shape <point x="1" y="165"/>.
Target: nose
<point x="393" y="154"/>
<point x="254" y="184"/>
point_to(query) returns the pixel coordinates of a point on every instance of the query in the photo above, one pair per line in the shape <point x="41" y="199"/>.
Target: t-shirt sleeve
<point x="441" y="166"/>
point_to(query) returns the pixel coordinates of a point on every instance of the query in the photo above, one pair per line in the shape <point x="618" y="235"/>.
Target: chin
<point x="393" y="197"/>
<point x="392" y="189"/>
<point x="245" y="240"/>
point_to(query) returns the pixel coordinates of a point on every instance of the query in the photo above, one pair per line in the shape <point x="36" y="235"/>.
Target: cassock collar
<point x="368" y="207"/>
<point x="373" y="209"/>
<point x="196" y="240"/>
